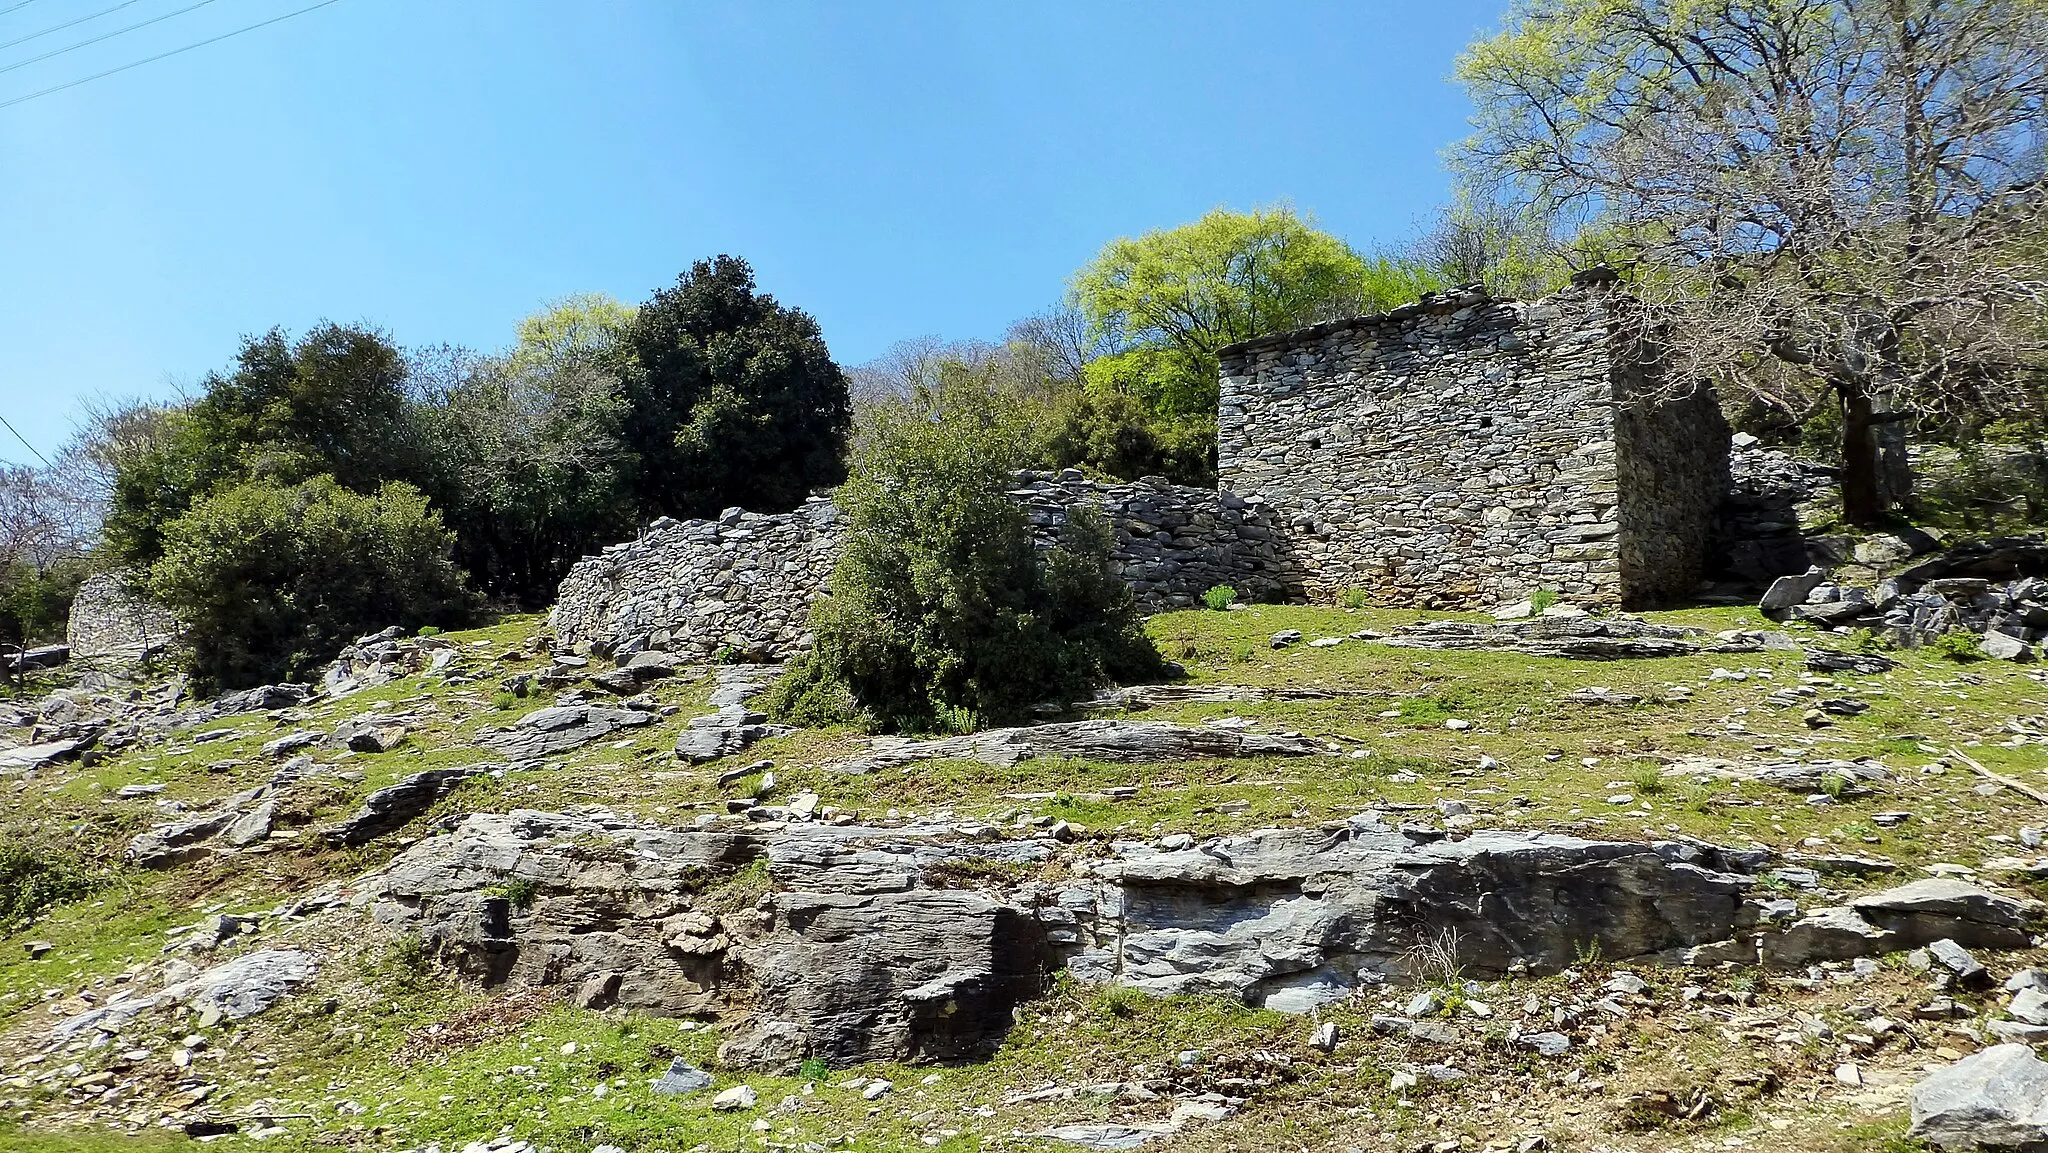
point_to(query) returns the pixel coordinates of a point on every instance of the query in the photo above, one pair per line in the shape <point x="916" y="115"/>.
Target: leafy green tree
<point x="530" y="465"/>
<point x="731" y="398"/>
<point x="942" y="612"/>
<point x="270" y="579"/>
<point x="1160" y="306"/>
<point x="332" y="403"/>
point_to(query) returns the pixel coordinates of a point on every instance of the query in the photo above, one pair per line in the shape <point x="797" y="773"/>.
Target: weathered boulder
<point x="239" y="988"/>
<point x="393" y="805"/>
<point x="1941" y="907"/>
<point x="1290" y="918"/>
<point x="1101" y="740"/>
<point x="860" y="947"/>
<point x="1790" y="591"/>
<point x="560" y="728"/>
<point x="1996" y="1099"/>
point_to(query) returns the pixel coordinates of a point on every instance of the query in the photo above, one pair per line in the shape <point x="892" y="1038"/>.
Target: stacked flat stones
<point x="741" y="586"/>
<point x="1466" y="451"/>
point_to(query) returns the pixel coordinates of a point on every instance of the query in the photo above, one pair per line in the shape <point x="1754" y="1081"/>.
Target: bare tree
<point x="1828" y="202"/>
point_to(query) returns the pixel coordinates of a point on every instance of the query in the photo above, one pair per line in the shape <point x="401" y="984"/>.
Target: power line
<point x="163" y="55"/>
<point x="69" y="23"/>
<point x="102" y="36"/>
<point x="12" y="7"/>
<point x="10" y="424"/>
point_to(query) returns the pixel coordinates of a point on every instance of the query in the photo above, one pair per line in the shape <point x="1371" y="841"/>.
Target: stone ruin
<point x="1463" y="452"/>
<point x="1459" y="452"/>
<point x="112" y="623"/>
<point x="742" y="585"/>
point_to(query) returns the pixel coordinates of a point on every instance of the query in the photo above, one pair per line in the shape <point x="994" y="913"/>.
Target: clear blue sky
<point x="441" y="168"/>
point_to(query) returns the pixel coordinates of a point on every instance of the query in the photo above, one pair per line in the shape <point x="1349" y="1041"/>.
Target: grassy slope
<point x="367" y="1033"/>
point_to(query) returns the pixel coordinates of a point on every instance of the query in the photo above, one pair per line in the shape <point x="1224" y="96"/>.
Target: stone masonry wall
<point x="109" y="621"/>
<point x="746" y="580"/>
<point x="1464" y="451"/>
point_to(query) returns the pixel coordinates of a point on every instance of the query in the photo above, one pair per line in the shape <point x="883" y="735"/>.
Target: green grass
<point x="1535" y="748"/>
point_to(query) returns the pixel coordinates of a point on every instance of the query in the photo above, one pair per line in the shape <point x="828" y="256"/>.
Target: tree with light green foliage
<point x="1825" y="206"/>
<point x="1161" y="305"/>
<point x="531" y="468"/>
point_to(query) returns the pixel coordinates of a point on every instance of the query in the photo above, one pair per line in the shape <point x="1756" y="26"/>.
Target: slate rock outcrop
<point x="852" y="943"/>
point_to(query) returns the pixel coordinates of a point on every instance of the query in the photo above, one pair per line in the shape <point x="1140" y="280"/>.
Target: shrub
<point x="35" y="875"/>
<point x="1959" y="646"/>
<point x="1355" y="598"/>
<point x="1219" y="597"/>
<point x="1542" y="599"/>
<point x="942" y="611"/>
<point x="271" y="579"/>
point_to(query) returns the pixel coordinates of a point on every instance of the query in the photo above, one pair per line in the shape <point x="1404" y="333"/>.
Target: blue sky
<point x="441" y="168"/>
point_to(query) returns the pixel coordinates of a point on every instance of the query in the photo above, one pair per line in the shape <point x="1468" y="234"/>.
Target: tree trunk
<point x="1863" y="490"/>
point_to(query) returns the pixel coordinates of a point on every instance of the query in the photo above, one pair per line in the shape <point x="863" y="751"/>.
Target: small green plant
<point x="1587" y="952"/>
<point x="726" y="655"/>
<point x="812" y="1069"/>
<point x="519" y="891"/>
<point x="503" y="700"/>
<point x="1871" y="641"/>
<point x="1354" y="598"/>
<point x="429" y="630"/>
<point x="1219" y="598"/>
<point x="1834" y="785"/>
<point x="1648" y="780"/>
<point x="1542" y="599"/>
<point x="1961" y="647"/>
<point x="1245" y="652"/>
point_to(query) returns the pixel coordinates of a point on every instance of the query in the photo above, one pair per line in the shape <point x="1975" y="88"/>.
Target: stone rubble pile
<point x="2009" y="617"/>
<point x="383" y="657"/>
<point x="1576" y="635"/>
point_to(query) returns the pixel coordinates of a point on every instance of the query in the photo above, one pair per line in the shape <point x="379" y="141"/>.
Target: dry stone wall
<point x="744" y="582"/>
<point x="109" y="621"/>
<point x="1466" y="451"/>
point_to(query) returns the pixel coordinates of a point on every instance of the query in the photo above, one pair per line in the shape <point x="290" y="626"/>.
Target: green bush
<point x="1355" y="598"/>
<point x="272" y="579"/>
<point x="942" y="613"/>
<point x="35" y="875"/>
<point x="1219" y="597"/>
<point x="1542" y="599"/>
<point x="1959" y="646"/>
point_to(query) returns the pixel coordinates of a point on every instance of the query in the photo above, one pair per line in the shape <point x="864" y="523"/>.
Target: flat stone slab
<point x="235" y="989"/>
<point x="560" y="729"/>
<point x="1101" y="740"/>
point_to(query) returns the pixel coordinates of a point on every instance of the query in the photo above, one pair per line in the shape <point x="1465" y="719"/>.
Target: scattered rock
<point x="1996" y="1099"/>
<point x="682" y="1077"/>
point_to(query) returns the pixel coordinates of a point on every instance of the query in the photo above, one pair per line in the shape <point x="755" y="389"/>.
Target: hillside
<point x="1821" y="787"/>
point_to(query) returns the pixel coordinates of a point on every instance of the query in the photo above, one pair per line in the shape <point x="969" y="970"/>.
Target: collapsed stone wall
<point x="1464" y="451"/>
<point x="110" y="622"/>
<point x="745" y="581"/>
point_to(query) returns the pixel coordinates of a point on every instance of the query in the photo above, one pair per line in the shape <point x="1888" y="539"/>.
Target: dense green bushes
<point x="942" y="612"/>
<point x="271" y="579"/>
<point x="36" y="873"/>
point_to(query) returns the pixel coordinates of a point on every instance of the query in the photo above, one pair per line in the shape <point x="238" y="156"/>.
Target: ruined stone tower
<point x="1465" y="451"/>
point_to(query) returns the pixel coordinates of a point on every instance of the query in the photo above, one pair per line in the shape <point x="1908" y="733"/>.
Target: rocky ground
<point x="1723" y="883"/>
